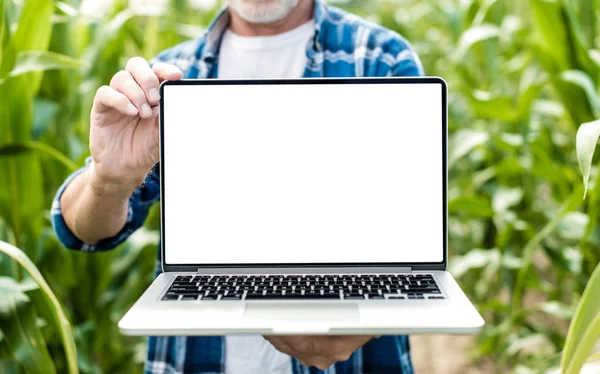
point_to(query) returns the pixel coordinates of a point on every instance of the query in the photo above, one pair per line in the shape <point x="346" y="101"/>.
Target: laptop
<point x="307" y="206"/>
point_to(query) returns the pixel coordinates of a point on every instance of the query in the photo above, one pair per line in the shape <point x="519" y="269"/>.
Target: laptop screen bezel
<point x="388" y="80"/>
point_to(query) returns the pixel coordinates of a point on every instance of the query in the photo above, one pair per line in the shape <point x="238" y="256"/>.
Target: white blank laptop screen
<point x="303" y="173"/>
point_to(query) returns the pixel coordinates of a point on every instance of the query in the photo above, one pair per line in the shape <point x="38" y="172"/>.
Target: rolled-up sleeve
<point x="139" y="205"/>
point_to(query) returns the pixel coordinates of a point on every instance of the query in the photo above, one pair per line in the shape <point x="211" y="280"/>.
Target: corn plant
<point x="18" y="321"/>
<point x="24" y="57"/>
<point x="50" y="64"/>
<point x="522" y="75"/>
<point x="584" y="331"/>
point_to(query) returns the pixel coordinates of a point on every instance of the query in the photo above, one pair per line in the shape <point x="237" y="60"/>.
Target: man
<point x="99" y="206"/>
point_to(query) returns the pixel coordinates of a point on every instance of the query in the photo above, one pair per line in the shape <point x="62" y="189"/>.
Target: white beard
<point x="262" y="11"/>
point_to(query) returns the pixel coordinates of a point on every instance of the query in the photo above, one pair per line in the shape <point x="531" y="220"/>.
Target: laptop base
<point x="152" y="316"/>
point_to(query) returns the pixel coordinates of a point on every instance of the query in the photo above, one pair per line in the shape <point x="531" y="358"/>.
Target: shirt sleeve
<point x="139" y="205"/>
<point x="407" y="64"/>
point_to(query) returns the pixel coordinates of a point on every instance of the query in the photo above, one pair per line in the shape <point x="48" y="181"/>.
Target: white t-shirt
<point x="277" y="56"/>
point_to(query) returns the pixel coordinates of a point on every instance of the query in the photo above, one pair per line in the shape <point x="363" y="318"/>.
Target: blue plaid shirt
<point x="343" y="45"/>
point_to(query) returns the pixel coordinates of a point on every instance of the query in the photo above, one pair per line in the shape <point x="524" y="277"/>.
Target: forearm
<point x="94" y="209"/>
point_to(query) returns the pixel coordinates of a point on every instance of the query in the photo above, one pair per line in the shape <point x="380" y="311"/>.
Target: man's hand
<point x="124" y="124"/>
<point x="124" y="147"/>
<point x="318" y="351"/>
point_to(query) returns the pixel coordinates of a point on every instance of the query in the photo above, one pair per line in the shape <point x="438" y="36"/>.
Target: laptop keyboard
<point x="303" y="287"/>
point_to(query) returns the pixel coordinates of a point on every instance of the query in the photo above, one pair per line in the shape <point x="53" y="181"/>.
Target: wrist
<point x="103" y="186"/>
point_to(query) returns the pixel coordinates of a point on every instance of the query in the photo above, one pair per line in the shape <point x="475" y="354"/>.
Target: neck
<point x="300" y="15"/>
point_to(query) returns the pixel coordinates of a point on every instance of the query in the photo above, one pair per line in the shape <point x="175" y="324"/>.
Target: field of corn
<point x="522" y="74"/>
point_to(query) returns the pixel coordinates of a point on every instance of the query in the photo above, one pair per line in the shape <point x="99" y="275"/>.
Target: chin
<point x="263" y="11"/>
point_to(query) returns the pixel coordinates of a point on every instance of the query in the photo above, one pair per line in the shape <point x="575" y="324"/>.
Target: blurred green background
<point x="522" y="75"/>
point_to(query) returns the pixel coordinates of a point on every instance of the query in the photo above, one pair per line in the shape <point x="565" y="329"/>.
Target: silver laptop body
<point x="276" y="285"/>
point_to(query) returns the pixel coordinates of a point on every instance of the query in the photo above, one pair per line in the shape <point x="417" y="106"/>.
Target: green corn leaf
<point x="470" y="205"/>
<point x="61" y="321"/>
<point x="67" y="8"/>
<point x="577" y="35"/>
<point x="569" y="205"/>
<point x="504" y="198"/>
<point x="473" y="36"/>
<point x="33" y="33"/>
<point x="557" y="309"/>
<point x="475" y="259"/>
<point x="551" y="35"/>
<point x="587" y="139"/>
<point x="463" y="142"/>
<point x="585" y="82"/>
<point x="151" y="45"/>
<point x="594" y="357"/>
<point x="488" y="105"/>
<point x="106" y="34"/>
<point x="35" y="25"/>
<point x="21" y="195"/>
<point x="2" y="26"/>
<point x="575" y="101"/>
<point x="24" y="337"/>
<point x="28" y="61"/>
<point x="13" y="294"/>
<point x="595" y="57"/>
<point x="587" y="13"/>
<point x="584" y="330"/>
<point x="14" y="149"/>
<point x="483" y="11"/>
<point x="530" y="85"/>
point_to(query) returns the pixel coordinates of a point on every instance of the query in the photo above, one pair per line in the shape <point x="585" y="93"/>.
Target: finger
<point x="284" y="348"/>
<point x="340" y="356"/>
<point x="320" y="363"/>
<point x="307" y="349"/>
<point x="145" y="77"/>
<point x="342" y="347"/>
<point x="167" y="72"/>
<point x="124" y="83"/>
<point x="107" y="98"/>
<point x="307" y="344"/>
<point x="323" y="365"/>
<point x="155" y="111"/>
<point x="279" y="343"/>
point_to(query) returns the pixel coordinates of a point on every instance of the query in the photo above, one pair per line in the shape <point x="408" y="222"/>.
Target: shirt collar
<point x="320" y="16"/>
<point x="213" y="36"/>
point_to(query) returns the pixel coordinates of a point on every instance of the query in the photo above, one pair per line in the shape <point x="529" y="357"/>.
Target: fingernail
<point x="146" y="110"/>
<point x="131" y="110"/>
<point x="154" y="95"/>
<point x="174" y="70"/>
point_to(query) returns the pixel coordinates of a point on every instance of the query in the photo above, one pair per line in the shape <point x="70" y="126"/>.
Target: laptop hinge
<point x="398" y="270"/>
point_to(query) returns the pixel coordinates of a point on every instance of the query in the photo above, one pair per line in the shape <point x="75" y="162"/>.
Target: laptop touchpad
<point x="289" y="317"/>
